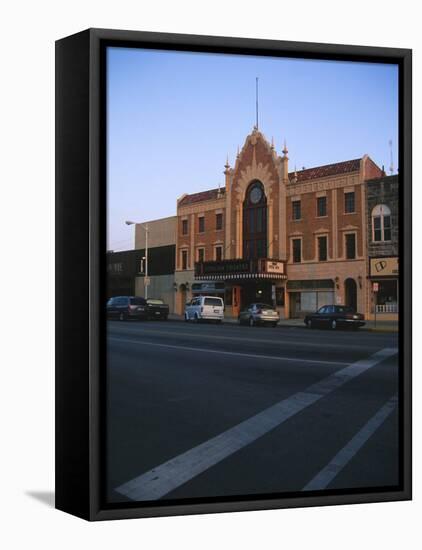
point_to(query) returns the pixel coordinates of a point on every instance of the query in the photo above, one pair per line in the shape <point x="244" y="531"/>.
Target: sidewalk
<point x="381" y="326"/>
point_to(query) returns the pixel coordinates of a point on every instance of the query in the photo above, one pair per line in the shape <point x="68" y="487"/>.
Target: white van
<point x="205" y="307"/>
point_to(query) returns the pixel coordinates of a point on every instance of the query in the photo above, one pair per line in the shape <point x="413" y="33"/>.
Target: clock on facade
<point x="256" y="194"/>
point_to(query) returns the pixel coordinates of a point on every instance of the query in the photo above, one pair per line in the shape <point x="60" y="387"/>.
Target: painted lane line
<point x="217" y="337"/>
<point x="345" y="455"/>
<point x="170" y="475"/>
<point x="232" y="353"/>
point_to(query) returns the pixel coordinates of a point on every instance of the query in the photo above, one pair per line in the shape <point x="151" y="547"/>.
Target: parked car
<point x="259" y="314"/>
<point x="127" y="307"/>
<point x="157" y="309"/>
<point x="335" y="317"/>
<point x="210" y="308"/>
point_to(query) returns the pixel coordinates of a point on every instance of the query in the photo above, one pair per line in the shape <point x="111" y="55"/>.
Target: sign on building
<point x="384" y="267"/>
<point x="273" y="266"/>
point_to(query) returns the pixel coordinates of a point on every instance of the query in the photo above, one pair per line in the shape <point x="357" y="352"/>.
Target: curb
<point x="300" y="326"/>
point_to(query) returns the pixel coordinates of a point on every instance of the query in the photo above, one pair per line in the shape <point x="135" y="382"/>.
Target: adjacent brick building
<point x="382" y="214"/>
<point x="295" y="239"/>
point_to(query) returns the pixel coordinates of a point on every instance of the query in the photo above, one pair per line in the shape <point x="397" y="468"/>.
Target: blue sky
<point x="173" y="117"/>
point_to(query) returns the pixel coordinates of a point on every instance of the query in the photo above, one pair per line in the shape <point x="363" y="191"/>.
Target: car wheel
<point x="196" y="318"/>
<point x="251" y="322"/>
<point x="334" y="324"/>
<point x="309" y="323"/>
<point x="122" y="317"/>
<point x="186" y="318"/>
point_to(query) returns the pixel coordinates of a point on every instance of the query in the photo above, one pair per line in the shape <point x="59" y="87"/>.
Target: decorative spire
<point x="390" y="143"/>
<point x="227" y="166"/>
<point x="272" y="143"/>
<point x="238" y="152"/>
<point x="285" y="150"/>
<point x="295" y="175"/>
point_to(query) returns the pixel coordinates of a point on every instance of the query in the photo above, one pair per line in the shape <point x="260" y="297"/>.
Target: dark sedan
<point x="157" y="309"/>
<point x="335" y="317"/>
<point x="127" y="307"/>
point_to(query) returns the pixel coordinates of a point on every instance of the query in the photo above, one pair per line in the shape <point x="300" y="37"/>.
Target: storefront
<point x="244" y="281"/>
<point x="307" y="296"/>
<point x="384" y="277"/>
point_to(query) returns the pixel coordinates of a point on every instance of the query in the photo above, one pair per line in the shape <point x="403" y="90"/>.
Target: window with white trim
<point x="381" y="223"/>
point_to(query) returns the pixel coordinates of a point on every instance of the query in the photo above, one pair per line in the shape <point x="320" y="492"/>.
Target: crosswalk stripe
<point x="170" y="475"/>
<point x="343" y="457"/>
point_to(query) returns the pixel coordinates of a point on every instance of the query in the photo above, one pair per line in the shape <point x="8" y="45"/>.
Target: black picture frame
<point x="80" y="266"/>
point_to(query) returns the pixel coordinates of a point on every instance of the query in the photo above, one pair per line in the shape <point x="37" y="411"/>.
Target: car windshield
<point x="343" y="309"/>
<point x="213" y="302"/>
<point x="264" y="306"/>
<point x="154" y="302"/>
<point x="137" y="301"/>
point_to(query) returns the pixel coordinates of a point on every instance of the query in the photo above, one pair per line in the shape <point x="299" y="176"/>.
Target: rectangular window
<point x="387" y="228"/>
<point x="296" y="213"/>
<point x="219" y="222"/>
<point x="349" y="202"/>
<point x="297" y="250"/>
<point x="351" y="246"/>
<point x="184" y="227"/>
<point x="218" y="253"/>
<point x="377" y="229"/>
<point x="201" y="224"/>
<point x="322" y="249"/>
<point x="321" y="206"/>
<point x="184" y="259"/>
<point x="201" y="254"/>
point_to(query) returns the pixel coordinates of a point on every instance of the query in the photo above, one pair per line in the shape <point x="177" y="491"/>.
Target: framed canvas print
<point x="233" y="274"/>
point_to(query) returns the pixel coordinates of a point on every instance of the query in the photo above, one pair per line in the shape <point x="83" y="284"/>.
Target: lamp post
<point x="145" y="228"/>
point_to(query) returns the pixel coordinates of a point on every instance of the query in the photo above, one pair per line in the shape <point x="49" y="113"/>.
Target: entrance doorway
<point x="351" y="293"/>
<point x="182" y="298"/>
<point x="236" y="300"/>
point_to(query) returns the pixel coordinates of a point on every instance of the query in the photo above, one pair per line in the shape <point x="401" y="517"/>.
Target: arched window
<point x="255" y="222"/>
<point x="381" y="223"/>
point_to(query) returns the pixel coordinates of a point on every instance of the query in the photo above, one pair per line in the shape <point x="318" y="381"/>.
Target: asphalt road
<point x="201" y="410"/>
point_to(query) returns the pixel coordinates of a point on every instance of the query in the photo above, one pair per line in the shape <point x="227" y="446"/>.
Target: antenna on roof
<point x="390" y="143"/>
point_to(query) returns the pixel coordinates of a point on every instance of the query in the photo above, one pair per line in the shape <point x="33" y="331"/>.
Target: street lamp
<point x="145" y="228"/>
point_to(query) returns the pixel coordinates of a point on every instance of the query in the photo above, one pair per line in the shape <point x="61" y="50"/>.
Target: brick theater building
<point x="295" y="239"/>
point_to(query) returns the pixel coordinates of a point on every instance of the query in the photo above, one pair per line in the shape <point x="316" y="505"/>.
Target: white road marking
<point x="256" y="340"/>
<point x="170" y="475"/>
<point x="334" y="467"/>
<point x="222" y="352"/>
